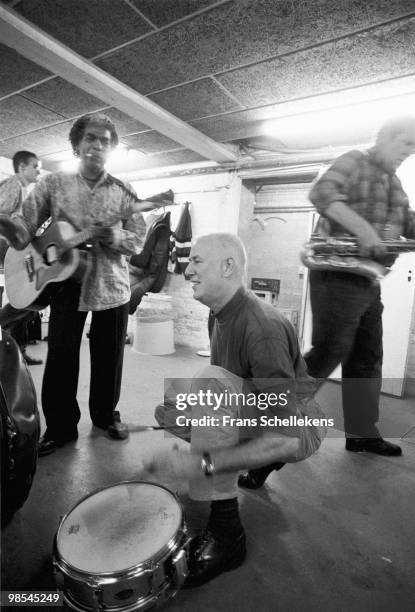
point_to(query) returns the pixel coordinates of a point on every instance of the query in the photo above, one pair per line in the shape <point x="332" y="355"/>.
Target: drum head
<point x="119" y="527"/>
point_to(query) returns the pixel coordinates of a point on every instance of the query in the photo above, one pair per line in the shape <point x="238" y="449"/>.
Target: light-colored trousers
<point x="208" y="438"/>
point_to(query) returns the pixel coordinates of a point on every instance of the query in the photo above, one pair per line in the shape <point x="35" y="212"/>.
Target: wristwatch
<point x="207" y="465"/>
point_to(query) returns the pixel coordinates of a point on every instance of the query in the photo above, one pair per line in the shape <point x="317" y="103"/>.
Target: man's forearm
<point x="16" y="233"/>
<point x="348" y="218"/>
<point x="256" y="453"/>
<point x="367" y="237"/>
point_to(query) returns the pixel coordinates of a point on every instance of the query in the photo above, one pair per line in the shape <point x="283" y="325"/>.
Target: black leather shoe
<point x="373" y="445"/>
<point x="255" y="479"/>
<point x="209" y="557"/>
<point x="249" y="481"/>
<point x="31" y="360"/>
<point x="118" y="430"/>
<point x="47" y="446"/>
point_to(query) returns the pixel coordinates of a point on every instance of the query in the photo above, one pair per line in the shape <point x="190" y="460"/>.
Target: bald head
<point x="225" y="246"/>
<point x="394" y="127"/>
<point x="395" y="141"/>
<point x="216" y="268"/>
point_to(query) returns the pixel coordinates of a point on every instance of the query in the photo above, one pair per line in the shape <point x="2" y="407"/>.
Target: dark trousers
<point x="16" y="322"/>
<point x="9" y="315"/>
<point x="347" y="330"/>
<point x="60" y="379"/>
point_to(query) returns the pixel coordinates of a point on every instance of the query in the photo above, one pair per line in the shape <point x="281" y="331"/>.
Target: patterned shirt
<point x="358" y="179"/>
<point x="11" y="198"/>
<point x="68" y="197"/>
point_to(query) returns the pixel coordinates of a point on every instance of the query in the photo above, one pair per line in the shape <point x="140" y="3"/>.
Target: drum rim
<point x="134" y="570"/>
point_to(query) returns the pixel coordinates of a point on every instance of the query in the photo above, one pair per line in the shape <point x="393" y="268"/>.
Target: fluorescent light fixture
<point x="120" y="158"/>
<point x="123" y="158"/>
<point x="364" y="117"/>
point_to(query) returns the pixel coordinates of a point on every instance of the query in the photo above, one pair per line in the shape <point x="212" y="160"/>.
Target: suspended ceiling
<point x="195" y="80"/>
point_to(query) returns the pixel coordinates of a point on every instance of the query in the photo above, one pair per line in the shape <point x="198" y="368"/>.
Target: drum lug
<point x="59" y="580"/>
<point x="96" y="594"/>
<point x="180" y="568"/>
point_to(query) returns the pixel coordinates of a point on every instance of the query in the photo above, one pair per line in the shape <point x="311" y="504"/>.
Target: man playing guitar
<point x="359" y="195"/>
<point x="88" y="199"/>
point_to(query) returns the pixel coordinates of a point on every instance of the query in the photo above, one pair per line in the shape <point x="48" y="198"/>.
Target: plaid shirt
<point x="67" y="197"/>
<point x="358" y="179"/>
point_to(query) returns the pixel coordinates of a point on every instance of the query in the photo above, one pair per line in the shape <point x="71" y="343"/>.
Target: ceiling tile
<point x="18" y="116"/>
<point x="238" y="33"/>
<point x="362" y="58"/>
<point x="64" y="98"/>
<point x="194" y="100"/>
<point x="43" y="141"/>
<point x="86" y="26"/>
<point x="123" y="123"/>
<point x="232" y="126"/>
<point x="151" y="142"/>
<point x="163" y="12"/>
<point x="17" y="72"/>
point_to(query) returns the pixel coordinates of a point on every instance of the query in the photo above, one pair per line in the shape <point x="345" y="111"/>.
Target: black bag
<point x="19" y="428"/>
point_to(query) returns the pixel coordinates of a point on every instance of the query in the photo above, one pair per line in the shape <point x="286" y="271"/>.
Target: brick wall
<point x="215" y="201"/>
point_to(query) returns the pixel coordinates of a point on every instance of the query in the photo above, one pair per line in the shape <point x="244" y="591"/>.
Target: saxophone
<point x="341" y="254"/>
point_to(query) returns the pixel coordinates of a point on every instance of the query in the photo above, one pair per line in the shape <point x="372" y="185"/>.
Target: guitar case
<point x="19" y="428"/>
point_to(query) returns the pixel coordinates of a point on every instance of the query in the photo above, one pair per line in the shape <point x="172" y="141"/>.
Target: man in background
<point x="13" y="191"/>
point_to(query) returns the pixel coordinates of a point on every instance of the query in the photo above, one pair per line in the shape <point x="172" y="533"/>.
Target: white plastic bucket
<point x="154" y="332"/>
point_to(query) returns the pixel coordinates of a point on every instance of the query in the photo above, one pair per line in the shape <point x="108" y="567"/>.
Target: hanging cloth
<point x="148" y="269"/>
<point x="182" y="241"/>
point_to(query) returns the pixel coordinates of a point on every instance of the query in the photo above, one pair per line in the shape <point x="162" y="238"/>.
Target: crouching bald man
<point x="254" y="355"/>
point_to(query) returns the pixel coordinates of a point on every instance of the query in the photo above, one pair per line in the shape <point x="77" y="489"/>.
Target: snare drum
<point x="122" y="548"/>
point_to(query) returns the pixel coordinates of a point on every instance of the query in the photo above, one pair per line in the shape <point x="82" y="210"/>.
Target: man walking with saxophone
<point x="359" y="195"/>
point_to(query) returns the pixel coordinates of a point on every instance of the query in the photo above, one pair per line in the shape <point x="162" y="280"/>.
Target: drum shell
<point x="135" y="588"/>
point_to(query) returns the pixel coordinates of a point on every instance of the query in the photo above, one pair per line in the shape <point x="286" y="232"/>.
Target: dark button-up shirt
<point x="251" y="339"/>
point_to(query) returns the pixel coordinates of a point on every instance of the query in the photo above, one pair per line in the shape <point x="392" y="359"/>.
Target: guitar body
<point x="45" y="260"/>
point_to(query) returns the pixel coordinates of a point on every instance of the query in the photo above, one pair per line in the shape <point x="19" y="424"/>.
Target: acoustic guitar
<point x="53" y="257"/>
<point x="49" y="258"/>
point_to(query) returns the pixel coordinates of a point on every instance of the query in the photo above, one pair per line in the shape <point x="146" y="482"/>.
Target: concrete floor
<point x="333" y="533"/>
